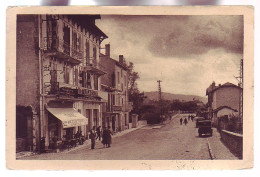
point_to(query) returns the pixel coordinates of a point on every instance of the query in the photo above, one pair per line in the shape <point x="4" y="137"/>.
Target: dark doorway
<point x="24" y="128"/>
<point x="113" y="123"/>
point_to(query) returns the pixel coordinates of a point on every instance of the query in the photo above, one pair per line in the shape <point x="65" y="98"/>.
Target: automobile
<point x="198" y="119"/>
<point x="205" y="128"/>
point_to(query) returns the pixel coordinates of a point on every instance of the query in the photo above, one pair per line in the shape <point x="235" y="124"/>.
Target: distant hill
<point x="169" y="96"/>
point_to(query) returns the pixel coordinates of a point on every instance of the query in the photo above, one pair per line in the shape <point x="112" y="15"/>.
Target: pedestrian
<point x="181" y="121"/>
<point x="99" y="133"/>
<point x="109" y="137"/>
<point x="104" y="137"/>
<point x="92" y="137"/>
<point x="185" y="121"/>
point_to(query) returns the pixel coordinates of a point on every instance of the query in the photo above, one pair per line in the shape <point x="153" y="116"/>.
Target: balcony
<point x="61" y="49"/>
<point x="66" y="91"/>
<point x="93" y="67"/>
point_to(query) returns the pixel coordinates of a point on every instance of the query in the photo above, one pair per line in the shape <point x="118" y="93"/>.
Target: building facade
<point x="115" y="83"/>
<point x="223" y="99"/>
<point x="58" y="78"/>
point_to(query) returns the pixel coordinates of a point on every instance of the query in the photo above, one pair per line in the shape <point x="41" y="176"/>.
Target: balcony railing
<point x="117" y="108"/>
<point x="65" y="91"/>
<point x="63" y="49"/>
<point x="94" y="67"/>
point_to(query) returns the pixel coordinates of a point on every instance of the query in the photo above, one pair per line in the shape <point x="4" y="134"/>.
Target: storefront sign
<point x="69" y="117"/>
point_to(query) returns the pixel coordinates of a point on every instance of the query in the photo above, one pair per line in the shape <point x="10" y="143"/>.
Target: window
<point x="66" y="71"/>
<point x="94" y="55"/>
<point x="118" y="79"/>
<point x="113" y="99"/>
<point x="76" y="76"/>
<point x="74" y="40"/>
<point x="66" y="39"/>
<point x="126" y="119"/>
<point x="95" y="82"/>
<point x="95" y="117"/>
<point x="87" y="53"/>
<point x="88" y="81"/>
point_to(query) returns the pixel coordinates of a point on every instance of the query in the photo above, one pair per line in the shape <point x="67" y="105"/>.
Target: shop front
<point x="63" y="125"/>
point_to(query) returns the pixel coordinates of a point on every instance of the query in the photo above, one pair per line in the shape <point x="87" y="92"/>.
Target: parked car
<point x="205" y="127"/>
<point x="198" y="119"/>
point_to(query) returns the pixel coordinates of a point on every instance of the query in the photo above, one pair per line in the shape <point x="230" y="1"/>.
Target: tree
<point x="135" y="95"/>
<point x="132" y="77"/>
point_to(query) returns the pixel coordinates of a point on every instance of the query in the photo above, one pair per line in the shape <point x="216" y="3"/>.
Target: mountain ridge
<point x="153" y="95"/>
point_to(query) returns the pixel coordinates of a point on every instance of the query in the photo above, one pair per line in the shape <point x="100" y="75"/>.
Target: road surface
<point x="168" y="142"/>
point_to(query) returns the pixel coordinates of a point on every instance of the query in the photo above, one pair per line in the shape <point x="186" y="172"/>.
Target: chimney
<point x="107" y="48"/>
<point x="121" y="59"/>
<point x="213" y="85"/>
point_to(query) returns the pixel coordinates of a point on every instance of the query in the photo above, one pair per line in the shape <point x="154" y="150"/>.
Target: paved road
<point x="170" y="142"/>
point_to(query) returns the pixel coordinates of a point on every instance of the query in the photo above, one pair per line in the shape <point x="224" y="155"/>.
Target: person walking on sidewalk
<point x="185" y="121"/>
<point x="92" y="137"/>
<point x="181" y="121"/>
<point x="99" y="133"/>
<point x="109" y="137"/>
<point x="104" y="137"/>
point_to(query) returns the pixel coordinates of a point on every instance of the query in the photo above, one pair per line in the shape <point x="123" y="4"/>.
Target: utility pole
<point x="160" y="96"/>
<point x="240" y="83"/>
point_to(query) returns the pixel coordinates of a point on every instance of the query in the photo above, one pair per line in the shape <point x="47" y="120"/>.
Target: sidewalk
<point x="218" y="149"/>
<point x="86" y="144"/>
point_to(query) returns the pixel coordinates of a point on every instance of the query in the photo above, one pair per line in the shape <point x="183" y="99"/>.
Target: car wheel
<point x="199" y="134"/>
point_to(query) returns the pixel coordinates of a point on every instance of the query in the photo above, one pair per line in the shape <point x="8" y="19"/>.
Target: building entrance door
<point x="89" y="116"/>
<point x="113" y="123"/>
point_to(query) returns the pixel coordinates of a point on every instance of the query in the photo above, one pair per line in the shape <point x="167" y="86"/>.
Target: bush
<point x="152" y="117"/>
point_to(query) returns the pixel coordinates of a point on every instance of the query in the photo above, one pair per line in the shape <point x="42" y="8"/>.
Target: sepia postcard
<point x="129" y="88"/>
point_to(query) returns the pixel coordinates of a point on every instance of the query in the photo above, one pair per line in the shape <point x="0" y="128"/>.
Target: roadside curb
<point x="212" y="156"/>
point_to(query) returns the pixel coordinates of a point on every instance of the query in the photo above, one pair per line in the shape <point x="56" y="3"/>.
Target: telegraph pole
<point x="160" y="96"/>
<point x="240" y="83"/>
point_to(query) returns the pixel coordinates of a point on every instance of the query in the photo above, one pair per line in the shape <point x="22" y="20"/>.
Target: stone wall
<point x="233" y="141"/>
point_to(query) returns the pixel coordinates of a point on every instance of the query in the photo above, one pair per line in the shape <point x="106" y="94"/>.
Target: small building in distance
<point x="223" y="100"/>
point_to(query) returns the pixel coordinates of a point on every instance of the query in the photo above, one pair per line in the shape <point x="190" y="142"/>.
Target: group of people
<point x="185" y="120"/>
<point x="105" y="134"/>
<point x="79" y="137"/>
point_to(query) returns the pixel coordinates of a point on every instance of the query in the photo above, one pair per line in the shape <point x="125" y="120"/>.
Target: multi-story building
<point x="58" y="78"/>
<point x="223" y="100"/>
<point x="115" y="83"/>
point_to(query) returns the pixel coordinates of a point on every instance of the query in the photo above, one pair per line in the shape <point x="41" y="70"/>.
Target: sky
<point x="187" y="53"/>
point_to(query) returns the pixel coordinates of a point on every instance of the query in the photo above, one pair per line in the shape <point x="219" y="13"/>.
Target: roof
<point x="212" y="88"/>
<point x="222" y="107"/>
<point x="88" y="22"/>
<point x="124" y="66"/>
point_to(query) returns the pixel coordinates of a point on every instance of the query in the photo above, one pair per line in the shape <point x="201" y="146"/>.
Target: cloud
<point x="186" y="52"/>
<point x="198" y="35"/>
